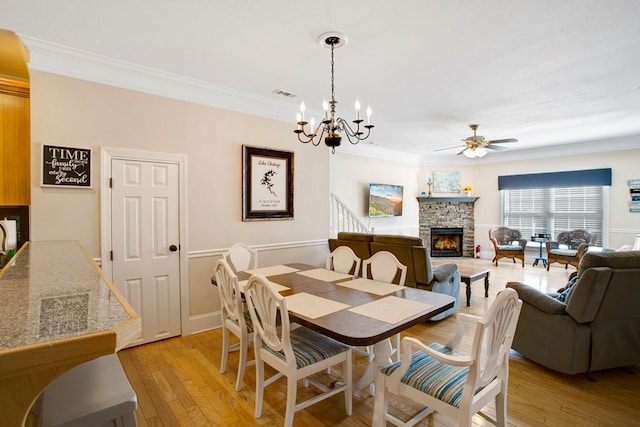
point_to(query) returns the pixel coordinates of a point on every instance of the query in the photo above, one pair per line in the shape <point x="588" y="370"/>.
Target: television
<point x="385" y="200"/>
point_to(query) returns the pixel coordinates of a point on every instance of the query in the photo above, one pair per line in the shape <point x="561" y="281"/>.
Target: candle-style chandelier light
<point x="331" y="125"/>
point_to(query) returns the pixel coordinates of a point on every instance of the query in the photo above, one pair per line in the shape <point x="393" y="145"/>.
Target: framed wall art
<point x="68" y="167"/>
<point x="267" y="184"/>
<point x="446" y="181"/>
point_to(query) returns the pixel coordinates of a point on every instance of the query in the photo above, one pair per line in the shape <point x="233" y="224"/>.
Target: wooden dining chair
<point x="343" y="260"/>
<point x="241" y="257"/>
<point x="455" y="385"/>
<point x="383" y="266"/>
<point x="235" y="319"/>
<point x="294" y="352"/>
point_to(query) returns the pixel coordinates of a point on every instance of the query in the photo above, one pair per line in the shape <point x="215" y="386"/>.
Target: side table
<point x="541" y="239"/>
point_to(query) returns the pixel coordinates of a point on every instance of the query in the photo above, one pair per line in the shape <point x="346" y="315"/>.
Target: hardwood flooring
<point x="178" y="382"/>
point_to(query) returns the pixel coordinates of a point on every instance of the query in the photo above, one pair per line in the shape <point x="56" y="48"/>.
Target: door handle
<point x="173" y="248"/>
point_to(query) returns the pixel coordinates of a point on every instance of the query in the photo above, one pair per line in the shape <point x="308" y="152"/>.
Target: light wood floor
<point x="178" y="381"/>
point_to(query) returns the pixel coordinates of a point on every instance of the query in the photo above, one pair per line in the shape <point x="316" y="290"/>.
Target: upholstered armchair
<point x="569" y="247"/>
<point x="593" y="324"/>
<point x="507" y="243"/>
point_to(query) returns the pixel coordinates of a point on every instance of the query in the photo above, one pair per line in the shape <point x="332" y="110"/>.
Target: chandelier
<point x="331" y="125"/>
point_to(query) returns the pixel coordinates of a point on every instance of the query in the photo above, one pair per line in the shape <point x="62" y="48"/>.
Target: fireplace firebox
<point x="446" y="242"/>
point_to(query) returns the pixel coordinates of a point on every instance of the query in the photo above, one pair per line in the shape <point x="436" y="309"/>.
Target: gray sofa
<point x="412" y="252"/>
<point x="597" y="327"/>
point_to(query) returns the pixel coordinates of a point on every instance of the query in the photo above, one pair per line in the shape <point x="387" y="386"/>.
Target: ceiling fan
<point x="476" y="146"/>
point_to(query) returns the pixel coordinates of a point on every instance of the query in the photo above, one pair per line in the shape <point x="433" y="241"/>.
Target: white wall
<point x="350" y="177"/>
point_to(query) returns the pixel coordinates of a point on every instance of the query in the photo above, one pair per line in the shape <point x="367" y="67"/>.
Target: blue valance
<point x="582" y="178"/>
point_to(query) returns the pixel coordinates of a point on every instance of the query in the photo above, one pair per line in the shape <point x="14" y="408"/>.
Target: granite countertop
<point x="53" y="290"/>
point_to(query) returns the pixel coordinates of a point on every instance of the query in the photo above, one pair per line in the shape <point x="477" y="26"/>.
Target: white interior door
<point x="146" y="243"/>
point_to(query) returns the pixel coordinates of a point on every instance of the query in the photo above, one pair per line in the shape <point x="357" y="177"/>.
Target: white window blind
<point x="551" y="210"/>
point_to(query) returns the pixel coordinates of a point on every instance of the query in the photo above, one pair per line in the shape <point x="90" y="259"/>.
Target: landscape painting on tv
<point x="385" y="200"/>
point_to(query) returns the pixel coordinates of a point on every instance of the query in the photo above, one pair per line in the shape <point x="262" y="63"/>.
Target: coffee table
<point x="471" y="274"/>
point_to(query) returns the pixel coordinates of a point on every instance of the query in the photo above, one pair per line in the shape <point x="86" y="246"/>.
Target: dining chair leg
<point x="347" y="369"/>
<point x="225" y="349"/>
<point x="259" y="386"/>
<point x="292" y="386"/>
<point x="242" y="363"/>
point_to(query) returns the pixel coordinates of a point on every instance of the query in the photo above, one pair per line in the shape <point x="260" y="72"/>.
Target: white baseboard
<point x="202" y="322"/>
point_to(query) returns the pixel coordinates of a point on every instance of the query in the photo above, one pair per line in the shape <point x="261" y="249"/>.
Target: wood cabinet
<point x="15" y="143"/>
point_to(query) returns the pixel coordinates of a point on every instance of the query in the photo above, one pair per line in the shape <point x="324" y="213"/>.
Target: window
<point x="557" y="201"/>
<point x="551" y="210"/>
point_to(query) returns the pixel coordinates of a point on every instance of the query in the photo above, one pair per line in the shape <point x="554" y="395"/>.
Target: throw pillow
<point x="567" y="289"/>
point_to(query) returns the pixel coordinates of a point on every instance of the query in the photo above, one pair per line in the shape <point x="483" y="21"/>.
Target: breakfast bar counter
<point x="57" y="310"/>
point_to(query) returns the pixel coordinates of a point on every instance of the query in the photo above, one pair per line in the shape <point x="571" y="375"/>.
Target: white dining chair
<point x="455" y="385"/>
<point x="235" y="319"/>
<point x="383" y="266"/>
<point x="241" y="257"/>
<point x="295" y="353"/>
<point x="343" y="260"/>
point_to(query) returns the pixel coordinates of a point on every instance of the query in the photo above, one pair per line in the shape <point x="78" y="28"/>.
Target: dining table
<point x="353" y="310"/>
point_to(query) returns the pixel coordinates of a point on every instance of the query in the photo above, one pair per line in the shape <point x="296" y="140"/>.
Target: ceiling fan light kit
<point x="477" y="146"/>
<point x="331" y="125"/>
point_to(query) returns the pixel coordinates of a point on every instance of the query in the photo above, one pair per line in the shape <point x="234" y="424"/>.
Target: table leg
<point x="486" y="285"/>
<point x="468" y="283"/>
<point x="381" y="358"/>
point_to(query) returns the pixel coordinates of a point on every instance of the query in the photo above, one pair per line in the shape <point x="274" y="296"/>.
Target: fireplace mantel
<point x="471" y="199"/>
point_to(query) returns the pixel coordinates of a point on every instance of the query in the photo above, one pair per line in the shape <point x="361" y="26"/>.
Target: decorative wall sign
<point x="66" y="166"/>
<point x="446" y="181"/>
<point x="267" y="184"/>
<point x="634" y="191"/>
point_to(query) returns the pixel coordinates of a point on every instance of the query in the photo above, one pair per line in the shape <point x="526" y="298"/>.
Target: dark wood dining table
<point x="352" y="328"/>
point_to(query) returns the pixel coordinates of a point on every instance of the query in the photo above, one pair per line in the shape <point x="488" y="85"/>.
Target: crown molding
<point x="66" y="61"/>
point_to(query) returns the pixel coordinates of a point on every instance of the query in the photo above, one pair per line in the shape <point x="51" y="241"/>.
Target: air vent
<point x="284" y="93"/>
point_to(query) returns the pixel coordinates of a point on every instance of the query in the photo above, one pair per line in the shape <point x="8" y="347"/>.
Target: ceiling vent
<point x="284" y="93"/>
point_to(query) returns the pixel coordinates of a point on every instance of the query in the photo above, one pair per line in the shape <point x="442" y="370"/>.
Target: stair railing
<point x="343" y="219"/>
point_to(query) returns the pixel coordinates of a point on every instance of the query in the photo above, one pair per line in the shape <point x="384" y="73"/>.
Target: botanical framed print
<point x="267" y="184"/>
<point x="446" y="181"/>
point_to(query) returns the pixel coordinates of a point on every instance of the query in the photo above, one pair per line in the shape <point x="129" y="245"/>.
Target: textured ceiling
<point x="547" y="72"/>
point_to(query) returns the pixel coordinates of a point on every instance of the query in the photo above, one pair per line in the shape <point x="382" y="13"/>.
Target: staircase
<point x="341" y="218"/>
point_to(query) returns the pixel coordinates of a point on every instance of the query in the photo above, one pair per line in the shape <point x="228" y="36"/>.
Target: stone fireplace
<point x="448" y="213"/>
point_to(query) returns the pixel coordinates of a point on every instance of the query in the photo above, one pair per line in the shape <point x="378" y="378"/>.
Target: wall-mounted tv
<point x="385" y="200"/>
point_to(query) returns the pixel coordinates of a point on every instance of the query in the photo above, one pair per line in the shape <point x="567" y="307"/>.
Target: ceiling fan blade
<point x="465" y="148"/>
<point x="501" y="141"/>
<point x="449" y="148"/>
<point x="495" y="147"/>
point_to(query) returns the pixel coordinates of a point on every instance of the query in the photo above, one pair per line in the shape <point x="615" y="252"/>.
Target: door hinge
<point x="110" y="255"/>
<point x="110" y="182"/>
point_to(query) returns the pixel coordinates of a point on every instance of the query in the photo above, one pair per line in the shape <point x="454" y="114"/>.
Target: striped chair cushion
<point x="310" y="347"/>
<point x="247" y="321"/>
<point x="432" y="377"/>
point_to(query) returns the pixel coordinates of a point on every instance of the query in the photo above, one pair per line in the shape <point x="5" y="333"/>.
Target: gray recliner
<point x="597" y="327"/>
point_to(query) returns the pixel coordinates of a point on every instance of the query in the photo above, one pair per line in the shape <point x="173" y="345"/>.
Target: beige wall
<point x="71" y="112"/>
<point x="77" y="113"/>
<point x="350" y="176"/>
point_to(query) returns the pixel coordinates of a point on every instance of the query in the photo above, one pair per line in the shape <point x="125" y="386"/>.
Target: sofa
<point x="598" y="324"/>
<point x="411" y="252"/>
